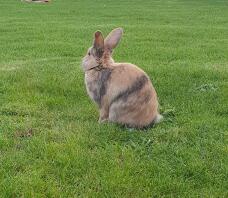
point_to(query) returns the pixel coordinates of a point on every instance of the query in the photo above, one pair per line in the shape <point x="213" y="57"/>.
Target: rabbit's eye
<point x="89" y="53"/>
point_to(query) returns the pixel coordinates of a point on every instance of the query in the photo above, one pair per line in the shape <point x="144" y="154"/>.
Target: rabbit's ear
<point x="112" y="40"/>
<point x="98" y="43"/>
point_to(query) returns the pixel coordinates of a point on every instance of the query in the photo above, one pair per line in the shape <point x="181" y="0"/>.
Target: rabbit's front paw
<point x="102" y="120"/>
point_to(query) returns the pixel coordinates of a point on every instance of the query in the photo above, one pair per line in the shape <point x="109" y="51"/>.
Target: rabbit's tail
<point x="159" y="118"/>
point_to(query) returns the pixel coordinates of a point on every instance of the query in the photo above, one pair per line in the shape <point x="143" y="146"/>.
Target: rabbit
<point x="37" y="1"/>
<point x="122" y="91"/>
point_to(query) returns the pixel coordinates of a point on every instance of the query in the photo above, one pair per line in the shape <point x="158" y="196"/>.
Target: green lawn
<point x="51" y="144"/>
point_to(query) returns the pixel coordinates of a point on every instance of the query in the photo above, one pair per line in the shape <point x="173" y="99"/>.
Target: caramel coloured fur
<point x="122" y="91"/>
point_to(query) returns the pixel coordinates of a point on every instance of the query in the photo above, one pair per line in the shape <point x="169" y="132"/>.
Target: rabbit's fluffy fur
<point x="122" y="91"/>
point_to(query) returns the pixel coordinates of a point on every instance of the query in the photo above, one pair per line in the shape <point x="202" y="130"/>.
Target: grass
<point x="51" y="144"/>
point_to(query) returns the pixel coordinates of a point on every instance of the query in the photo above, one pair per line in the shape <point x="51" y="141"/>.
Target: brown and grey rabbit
<point x="123" y="92"/>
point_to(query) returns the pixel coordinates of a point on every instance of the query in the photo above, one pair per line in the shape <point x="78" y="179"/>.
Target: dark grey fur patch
<point x="138" y="84"/>
<point x="105" y="75"/>
<point x="97" y="52"/>
<point x="102" y="82"/>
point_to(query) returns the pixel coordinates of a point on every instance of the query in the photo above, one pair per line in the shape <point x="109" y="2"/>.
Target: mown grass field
<point x="51" y="144"/>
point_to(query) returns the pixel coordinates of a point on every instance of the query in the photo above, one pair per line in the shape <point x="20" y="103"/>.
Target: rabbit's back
<point x="132" y="97"/>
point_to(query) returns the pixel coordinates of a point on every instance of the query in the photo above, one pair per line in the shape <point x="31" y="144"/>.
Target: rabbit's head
<point x="100" y="54"/>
